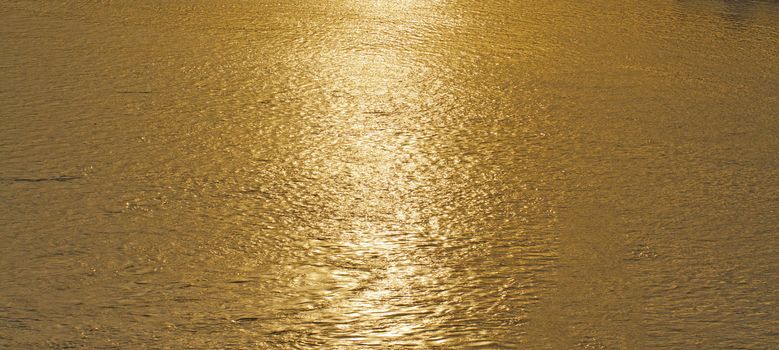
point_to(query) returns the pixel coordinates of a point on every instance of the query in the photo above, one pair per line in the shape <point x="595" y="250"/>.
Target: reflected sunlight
<point x="378" y="164"/>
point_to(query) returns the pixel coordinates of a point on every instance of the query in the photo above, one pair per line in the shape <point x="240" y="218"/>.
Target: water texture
<point x="394" y="174"/>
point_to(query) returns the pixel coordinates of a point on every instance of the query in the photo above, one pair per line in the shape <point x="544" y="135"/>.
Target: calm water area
<point x="409" y="174"/>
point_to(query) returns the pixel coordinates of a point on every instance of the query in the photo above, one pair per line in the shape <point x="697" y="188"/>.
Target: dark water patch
<point x="240" y="281"/>
<point x="61" y="178"/>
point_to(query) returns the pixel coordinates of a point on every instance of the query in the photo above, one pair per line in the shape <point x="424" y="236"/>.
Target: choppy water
<point x="407" y="174"/>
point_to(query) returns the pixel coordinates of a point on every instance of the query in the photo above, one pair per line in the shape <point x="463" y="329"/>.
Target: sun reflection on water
<point x="380" y="165"/>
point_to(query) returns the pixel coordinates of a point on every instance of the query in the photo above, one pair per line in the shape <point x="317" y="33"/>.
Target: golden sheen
<point x="413" y="174"/>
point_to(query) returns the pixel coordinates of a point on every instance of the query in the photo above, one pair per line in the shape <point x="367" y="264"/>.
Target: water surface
<point x="396" y="174"/>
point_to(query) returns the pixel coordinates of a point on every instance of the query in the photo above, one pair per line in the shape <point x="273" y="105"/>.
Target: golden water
<point x="393" y="174"/>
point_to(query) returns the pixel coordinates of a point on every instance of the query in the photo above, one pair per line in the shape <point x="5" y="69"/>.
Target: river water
<point x="394" y="174"/>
